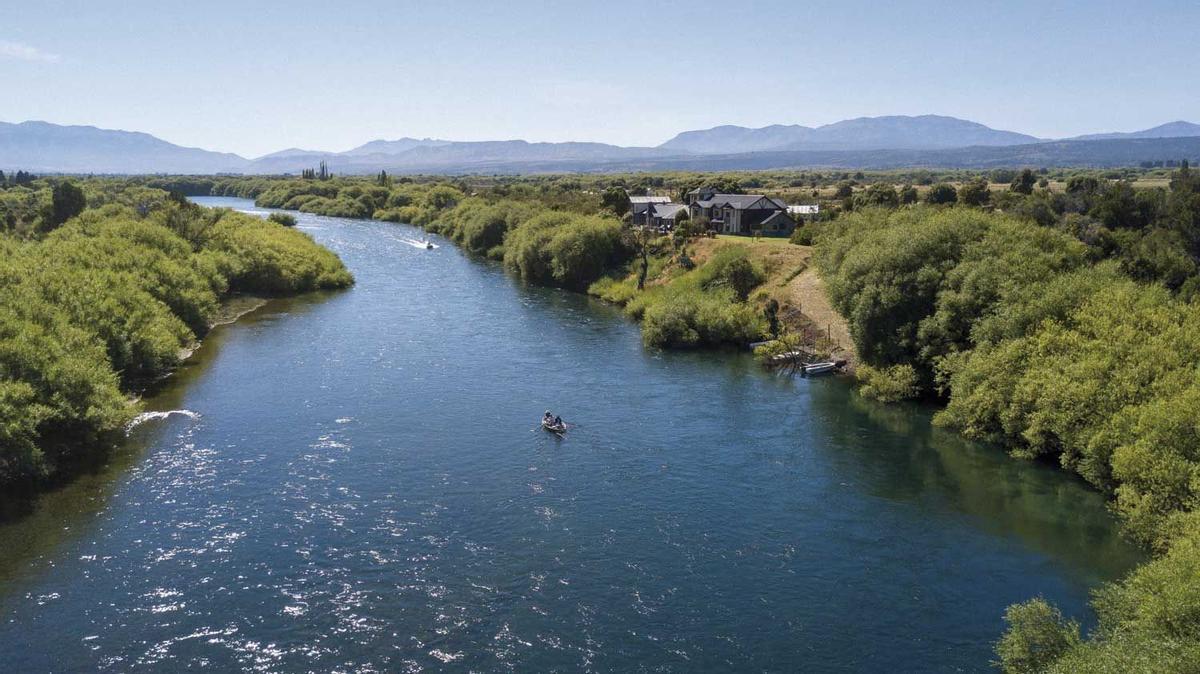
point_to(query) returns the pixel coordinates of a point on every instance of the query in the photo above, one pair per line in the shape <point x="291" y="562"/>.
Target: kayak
<point x="554" y="428"/>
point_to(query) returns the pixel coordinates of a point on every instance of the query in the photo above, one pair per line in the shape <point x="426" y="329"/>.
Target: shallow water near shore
<point x="361" y="484"/>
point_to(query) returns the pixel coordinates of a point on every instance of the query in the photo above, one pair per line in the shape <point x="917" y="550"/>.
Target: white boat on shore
<point x="819" y="368"/>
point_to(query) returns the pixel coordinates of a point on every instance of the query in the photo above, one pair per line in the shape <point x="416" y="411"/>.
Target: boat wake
<point x="418" y="244"/>
<point x="157" y="416"/>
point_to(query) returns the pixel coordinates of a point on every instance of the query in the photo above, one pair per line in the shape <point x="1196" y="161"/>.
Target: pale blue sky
<point x="254" y="77"/>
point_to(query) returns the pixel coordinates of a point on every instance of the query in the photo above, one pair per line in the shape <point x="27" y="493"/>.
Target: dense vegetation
<point x="1070" y="334"/>
<point x="1056" y="312"/>
<point x="95" y="302"/>
<point x="835" y="190"/>
<point x="703" y="305"/>
<point x="558" y="234"/>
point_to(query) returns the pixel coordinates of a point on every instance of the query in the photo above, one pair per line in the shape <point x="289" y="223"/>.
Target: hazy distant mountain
<point x="1178" y="129"/>
<point x="520" y="150"/>
<point x="40" y="146"/>
<point x="878" y="142"/>
<point x="724" y="139"/>
<point x="1065" y="153"/>
<point x="291" y="152"/>
<point x="451" y="156"/>
<point x="1097" y="153"/>
<point x="926" y="132"/>
<point x="289" y="161"/>
<point x="394" y="146"/>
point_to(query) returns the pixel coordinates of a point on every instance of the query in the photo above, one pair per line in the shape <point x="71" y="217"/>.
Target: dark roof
<point x="668" y="211"/>
<point x="778" y="216"/>
<point x="738" y="201"/>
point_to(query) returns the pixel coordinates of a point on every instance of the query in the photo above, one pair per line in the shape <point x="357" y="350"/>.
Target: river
<point x="359" y="484"/>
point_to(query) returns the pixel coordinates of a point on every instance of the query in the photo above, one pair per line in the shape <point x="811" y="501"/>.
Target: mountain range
<point x="1168" y="130"/>
<point x="926" y="132"/>
<point x="41" y="146"/>
<point x="865" y="142"/>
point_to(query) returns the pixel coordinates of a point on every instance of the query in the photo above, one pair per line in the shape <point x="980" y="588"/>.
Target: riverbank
<point x="698" y="292"/>
<point x="230" y="310"/>
<point x="999" y="312"/>
<point x="365" y="486"/>
<point x="794" y="281"/>
<point x="1040" y="348"/>
<point x="109" y="299"/>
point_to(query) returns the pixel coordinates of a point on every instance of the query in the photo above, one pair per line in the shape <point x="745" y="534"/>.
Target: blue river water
<point x="356" y="482"/>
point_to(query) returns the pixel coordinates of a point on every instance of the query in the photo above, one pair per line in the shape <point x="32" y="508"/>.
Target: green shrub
<point x="269" y="258"/>
<point x="670" y="324"/>
<point x="1037" y="636"/>
<point x="109" y="301"/>
<point x="526" y="248"/>
<point x="583" y="249"/>
<point x="1149" y="621"/>
<point x="1095" y="366"/>
<point x="730" y="267"/>
<point x="683" y="315"/>
<point x="804" y="234"/>
<point x="912" y="283"/>
<point x="889" y="384"/>
<point x="941" y="194"/>
<point x="285" y="219"/>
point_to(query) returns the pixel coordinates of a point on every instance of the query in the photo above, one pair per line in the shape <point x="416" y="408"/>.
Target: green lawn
<point x="749" y="239"/>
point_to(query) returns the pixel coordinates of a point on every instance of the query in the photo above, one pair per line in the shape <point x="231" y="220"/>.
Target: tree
<point x="66" y="201"/>
<point x="908" y="194"/>
<point x="1184" y="179"/>
<point x="682" y="231"/>
<point x="975" y="193"/>
<point x="1084" y="185"/>
<point x="1037" y="636"/>
<point x="941" y="193"/>
<point x="741" y="275"/>
<point x="880" y="194"/>
<point x="771" y="311"/>
<point x="1119" y="206"/>
<point x="844" y="190"/>
<point x="616" y="200"/>
<point x="383" y="179"/>
<point x="1002" y="175"/>
<point x="320" y="173"/>
<point x="1024" y="182"/>
<point x="638" y="240"/>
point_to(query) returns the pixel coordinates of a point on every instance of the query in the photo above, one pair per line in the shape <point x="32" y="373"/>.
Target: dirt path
<point x="807" y="292"/>
<point x="802" y="292"/>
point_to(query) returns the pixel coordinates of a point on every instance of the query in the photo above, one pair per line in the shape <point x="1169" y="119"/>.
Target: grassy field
<point x="766" y="240"/>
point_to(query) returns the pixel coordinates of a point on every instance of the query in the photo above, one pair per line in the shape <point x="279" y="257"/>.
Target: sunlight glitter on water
<point x="367" y="491"/>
